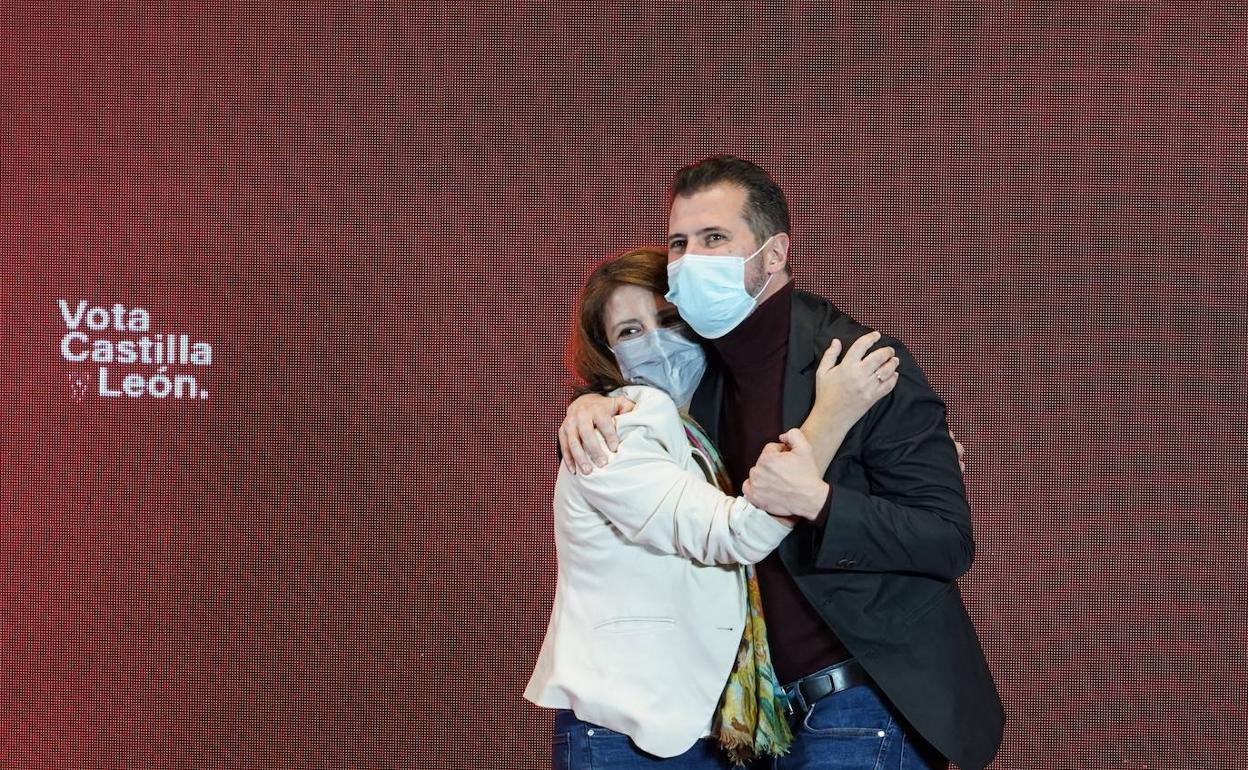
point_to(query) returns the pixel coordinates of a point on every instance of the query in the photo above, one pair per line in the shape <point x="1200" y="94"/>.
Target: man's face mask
<point x="709" y="291"/>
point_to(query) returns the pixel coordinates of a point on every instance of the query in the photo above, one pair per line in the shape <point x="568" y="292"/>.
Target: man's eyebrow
<point x="703" y="231"/>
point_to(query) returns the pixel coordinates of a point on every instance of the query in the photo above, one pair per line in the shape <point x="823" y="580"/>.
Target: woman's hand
<point x="845" y="391"/>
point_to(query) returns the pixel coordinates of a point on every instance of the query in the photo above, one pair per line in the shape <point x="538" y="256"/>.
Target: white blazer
<point x="649" y="606"/>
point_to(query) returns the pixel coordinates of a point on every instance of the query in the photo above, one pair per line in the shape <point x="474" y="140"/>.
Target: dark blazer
<point x="881" y="571"/>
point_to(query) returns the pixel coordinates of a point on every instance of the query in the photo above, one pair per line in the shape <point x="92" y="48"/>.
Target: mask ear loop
<point x="769" y="275"/>
<point x="760" y="248"/>
<point x="760" y="291"/>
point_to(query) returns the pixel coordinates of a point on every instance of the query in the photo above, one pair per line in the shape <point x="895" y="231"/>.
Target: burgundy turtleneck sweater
<point x="754" y="357"/>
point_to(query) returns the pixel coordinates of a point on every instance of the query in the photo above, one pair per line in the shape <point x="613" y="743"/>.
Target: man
<point x="865" y="622"/>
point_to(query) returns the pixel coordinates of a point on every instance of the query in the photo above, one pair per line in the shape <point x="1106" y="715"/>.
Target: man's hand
<point x="786" y="481"/>
<point x="588" y="430"/>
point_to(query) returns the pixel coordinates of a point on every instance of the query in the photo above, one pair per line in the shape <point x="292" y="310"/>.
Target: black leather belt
<point x="804" y="692"/>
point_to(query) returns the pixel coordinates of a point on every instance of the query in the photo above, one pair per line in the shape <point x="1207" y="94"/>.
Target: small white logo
<point x="78" y="385"/>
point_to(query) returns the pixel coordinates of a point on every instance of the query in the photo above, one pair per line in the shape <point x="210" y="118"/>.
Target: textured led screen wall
<point x="285" y="292"/>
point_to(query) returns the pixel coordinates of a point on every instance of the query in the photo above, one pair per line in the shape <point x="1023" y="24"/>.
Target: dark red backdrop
<point x="378" y="218"/>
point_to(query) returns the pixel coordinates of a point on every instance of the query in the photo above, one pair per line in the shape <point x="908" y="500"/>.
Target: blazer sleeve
<point x="915" y="517"/>
<point x="647" y="494"/>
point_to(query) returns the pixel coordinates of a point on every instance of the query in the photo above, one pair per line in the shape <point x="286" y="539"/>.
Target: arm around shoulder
<point x="647" y="493"/>
<point x="915" y="517"/>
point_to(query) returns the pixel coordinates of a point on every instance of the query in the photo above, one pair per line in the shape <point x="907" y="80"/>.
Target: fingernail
<point x="585" y="469"/>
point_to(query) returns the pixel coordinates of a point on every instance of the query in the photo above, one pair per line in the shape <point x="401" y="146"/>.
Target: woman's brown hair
<point x="593" y="363"/>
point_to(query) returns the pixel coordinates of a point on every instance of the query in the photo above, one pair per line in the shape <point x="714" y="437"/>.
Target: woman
<point x="656" y="638"/>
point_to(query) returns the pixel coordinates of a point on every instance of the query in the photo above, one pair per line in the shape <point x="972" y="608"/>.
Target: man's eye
<point x="714" y="238"/>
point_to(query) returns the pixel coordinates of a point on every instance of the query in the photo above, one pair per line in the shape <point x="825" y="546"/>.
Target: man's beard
<point x="757" y="278"/>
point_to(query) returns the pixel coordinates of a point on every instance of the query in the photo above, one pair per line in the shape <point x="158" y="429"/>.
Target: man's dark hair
<point x="766" y="209"/>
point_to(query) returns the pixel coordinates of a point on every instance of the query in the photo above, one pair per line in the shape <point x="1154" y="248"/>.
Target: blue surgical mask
<point x="709" y="291"/>
<point x="664" y="358"/>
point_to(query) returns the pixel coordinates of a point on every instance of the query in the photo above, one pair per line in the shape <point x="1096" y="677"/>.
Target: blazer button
<point x="847" y="563"/>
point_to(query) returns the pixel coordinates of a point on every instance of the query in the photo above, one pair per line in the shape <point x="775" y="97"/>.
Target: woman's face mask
<point x="664" y="358"/>
<point x="651" y="345"/>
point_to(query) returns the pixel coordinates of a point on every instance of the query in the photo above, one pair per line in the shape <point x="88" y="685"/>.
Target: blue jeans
<point x="580" y="745"/>
<point x="856" y="729"/>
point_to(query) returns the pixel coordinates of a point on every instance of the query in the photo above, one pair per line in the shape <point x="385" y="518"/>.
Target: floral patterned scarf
<point x="750" y="721"/>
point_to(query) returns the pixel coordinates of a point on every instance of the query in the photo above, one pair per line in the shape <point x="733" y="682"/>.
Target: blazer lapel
<point x="708" y="400"/>
<point x="798" y="398"/>
<point x="800" y="368"/>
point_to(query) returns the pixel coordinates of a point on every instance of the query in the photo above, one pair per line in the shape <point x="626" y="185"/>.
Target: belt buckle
<point x="795" y="697"/>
